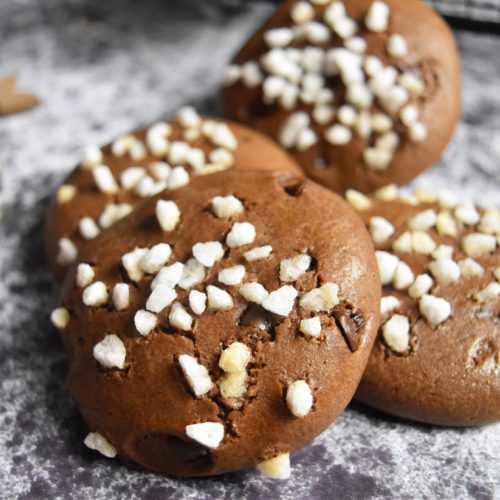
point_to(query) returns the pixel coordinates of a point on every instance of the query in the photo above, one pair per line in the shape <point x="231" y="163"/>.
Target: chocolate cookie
<point x="437" y="355"/>
<point x="111" y="181"/>
<point x="222" y="327"/>
<point x="363" y="93"/>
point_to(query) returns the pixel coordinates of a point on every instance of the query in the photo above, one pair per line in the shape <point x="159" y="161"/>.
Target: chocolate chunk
<point x="349" y="323"/>
<point x="256" y="317"/>
<point x="12" y="101"/>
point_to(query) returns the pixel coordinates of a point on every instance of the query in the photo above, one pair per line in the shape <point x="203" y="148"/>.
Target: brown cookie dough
<point x="363" y="93"/>
<point x="437" y="355"/>
<point x="111" y="181"/>
<point x="221" y="328"/>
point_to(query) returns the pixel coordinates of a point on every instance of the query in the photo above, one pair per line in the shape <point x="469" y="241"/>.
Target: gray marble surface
<point x="102" y="68"/>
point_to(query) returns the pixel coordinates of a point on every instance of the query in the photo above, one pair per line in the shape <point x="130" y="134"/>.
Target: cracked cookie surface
<point x="222" y="325"/>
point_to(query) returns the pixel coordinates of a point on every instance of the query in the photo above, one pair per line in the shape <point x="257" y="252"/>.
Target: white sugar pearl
<point x="104" y="179"/>
<point x="97" y="442"/>
<point x="434" y="309"/>
<point x="197" y="301"/>
<point x="180" y="318"/>
<point x="277" y="467"/>
<point x="208" y="253"/>
<point x="387" y="264"/>
<point x="196" y="374"/>
<point x="60" y="318"/>
<point x="167" y="214"/>
<point x="121" y="296"/>
<point x="254" y="292"/>
<point x="311" y="326"/>
<point x="95" y="294"/>
<point x="145" y="322"/>
<point x="281" y="301"/>
<point x="380" y="229"/>
<point x="85" y="274"/>
<point x="377" y="18"/>
<point x="161" y="297"/>
<point x="396" y="333"/>
<point x="397" y="46"/>
<point x="299" y="398"/>
<point x="241" y="233"/>
<point x="110" y="352"/>
<point x="209" y="434"/>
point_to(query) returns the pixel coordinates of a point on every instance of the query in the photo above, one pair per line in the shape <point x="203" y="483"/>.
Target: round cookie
<point x="223" y="327"/>
<point x="111" y="181"/>
<point x="437" y="356"/>
<point x="359" y="92"/>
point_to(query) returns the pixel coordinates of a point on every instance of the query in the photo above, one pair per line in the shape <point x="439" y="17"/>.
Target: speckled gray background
<point x="102" y="68"/>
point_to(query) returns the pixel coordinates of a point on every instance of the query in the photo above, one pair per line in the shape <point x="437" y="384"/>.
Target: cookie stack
<point x="220" y="309"/>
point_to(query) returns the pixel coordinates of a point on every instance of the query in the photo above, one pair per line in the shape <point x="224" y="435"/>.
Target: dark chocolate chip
<point x="257" y="317"/>
<point x="349" y="323"/>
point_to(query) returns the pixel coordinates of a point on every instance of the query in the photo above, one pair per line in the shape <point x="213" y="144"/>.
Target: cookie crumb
<point x="196" y="374"/>
<point x="110" y="352"/>
<point x="299" y="398"/>
<point x="60" y="318"/>
<point x="209" y="434"/>
<point x="97" y="442"/>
